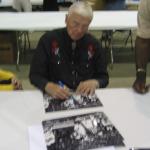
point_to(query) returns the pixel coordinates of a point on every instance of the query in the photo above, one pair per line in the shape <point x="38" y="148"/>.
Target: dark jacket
<point x="58" y="58"/>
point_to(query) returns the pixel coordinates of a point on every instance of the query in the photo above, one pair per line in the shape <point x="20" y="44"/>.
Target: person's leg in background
<point x="22" y="5"/>
<point x="26" y="5"/>
<point x="115" y="5"/>
<point x="50" y="5"/>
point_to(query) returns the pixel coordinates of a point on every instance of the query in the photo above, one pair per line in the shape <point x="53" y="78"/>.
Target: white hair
<point x="81" y="8"/>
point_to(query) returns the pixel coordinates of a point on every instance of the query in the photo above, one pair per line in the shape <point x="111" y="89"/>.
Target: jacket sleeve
<point x="100" y="64"/>
<point x="38" y="74"/>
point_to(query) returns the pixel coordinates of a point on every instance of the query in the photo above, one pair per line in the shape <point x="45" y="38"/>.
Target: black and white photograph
<point x="73" y="102"/>
<point x="82" y="132"/>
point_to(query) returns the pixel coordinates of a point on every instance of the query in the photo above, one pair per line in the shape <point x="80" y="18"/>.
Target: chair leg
<point x="132" y="46"/>
<point x="24" y="43"/>
<point x="28" y="39"/>
<point x="18" y="50"/>
<point x="111" y="51"/>
<point x="107" y="38"/>
<point x="130" y="36"/>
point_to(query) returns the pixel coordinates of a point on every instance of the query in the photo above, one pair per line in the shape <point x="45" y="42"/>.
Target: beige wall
<point x="96" y="4"/>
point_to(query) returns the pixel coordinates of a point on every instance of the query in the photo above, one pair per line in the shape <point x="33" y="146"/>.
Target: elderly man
<point x="70" y="59"/>
<point x="142" y="46"/>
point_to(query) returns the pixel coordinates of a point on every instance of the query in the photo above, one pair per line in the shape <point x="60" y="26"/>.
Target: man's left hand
<point x="16" y="83"/>
<point x="87" y="87"/>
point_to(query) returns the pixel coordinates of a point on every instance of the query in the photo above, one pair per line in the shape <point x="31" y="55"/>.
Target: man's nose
<point x="80" y="29"/>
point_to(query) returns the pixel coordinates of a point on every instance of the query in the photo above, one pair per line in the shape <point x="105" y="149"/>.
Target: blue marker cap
<point x="61" y="84"/>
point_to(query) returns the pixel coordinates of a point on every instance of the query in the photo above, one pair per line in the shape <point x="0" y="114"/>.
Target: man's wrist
<point x="48" y="87"/>
<point x="141" y="70"/>
<point x="97" y="84"/>
<point x="141" y="74"/>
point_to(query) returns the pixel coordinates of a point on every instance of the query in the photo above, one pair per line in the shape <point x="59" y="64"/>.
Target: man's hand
<point x="56" y="91"/>
<point x="16" y="83"/>
<point x="87" y="87"/>
<point x="140" y="87"/>
<point x="139" y="84"/>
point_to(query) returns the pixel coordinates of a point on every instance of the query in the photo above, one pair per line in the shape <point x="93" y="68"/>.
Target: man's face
<point x="77" y="25"/>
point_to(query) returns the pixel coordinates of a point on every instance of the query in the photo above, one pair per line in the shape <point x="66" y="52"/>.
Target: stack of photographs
<point x="73" y="102"/>
<point x="81" y="132"/>
<point x="139" y="148"/>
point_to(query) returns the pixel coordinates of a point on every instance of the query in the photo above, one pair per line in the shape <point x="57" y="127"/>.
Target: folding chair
<point x="107" y="40"/>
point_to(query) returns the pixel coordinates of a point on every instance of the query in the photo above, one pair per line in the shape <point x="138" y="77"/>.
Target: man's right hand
<point x="139" y="84"/>
<point x="16" y="83"/>
<point x="140" y="87"/>
<point x="56" y="91"/>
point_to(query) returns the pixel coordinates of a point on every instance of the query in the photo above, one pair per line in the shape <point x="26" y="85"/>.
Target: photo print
<point x="139" y="148"/>
<point x="82" y="132"/>
<point x="73" y="102"/>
